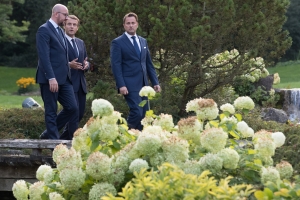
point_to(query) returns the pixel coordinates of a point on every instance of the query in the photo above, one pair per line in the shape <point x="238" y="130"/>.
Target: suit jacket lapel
<point x="129" y="44"/>
<point x="56" y="33"/>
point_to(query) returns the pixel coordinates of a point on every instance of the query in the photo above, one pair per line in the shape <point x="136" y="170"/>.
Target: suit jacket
<point x="128" y="68"/>
<point x="53" y="59"/>
<point x="78" y="77"/>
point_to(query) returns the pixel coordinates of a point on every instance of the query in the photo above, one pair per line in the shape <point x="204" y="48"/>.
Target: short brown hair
<point x="131" y="14"/>
<point x="74" y="17"/>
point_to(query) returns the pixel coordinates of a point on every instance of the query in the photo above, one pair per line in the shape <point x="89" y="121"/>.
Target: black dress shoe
<point x="43" y="137"/>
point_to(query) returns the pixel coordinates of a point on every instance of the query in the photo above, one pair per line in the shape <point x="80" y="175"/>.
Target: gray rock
<point x="273" y="114"/>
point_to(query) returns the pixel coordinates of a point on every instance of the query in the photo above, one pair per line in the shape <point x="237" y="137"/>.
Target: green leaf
<point x="143" y="103"/>
<point x="117" y="145"/>
<point x="214" y="123"/>
<point x="260" y="195"/>
<point x="239" y="117"/>
<point x="95" y="145"/>
<point x="234" y="134"/>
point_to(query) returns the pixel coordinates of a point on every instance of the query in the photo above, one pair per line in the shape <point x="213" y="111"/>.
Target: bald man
<point x="54" y="76"/>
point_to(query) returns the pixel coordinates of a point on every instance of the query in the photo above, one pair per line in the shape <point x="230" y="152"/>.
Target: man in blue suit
<point x="78" y="63"/>
<point x="132" y="66"/>
<point x="53" y="74"/>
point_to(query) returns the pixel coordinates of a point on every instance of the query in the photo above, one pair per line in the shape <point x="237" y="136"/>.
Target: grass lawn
<point x="15" y="101"/>
<point x="9" y="76"/>
<point x="289" y="73"/>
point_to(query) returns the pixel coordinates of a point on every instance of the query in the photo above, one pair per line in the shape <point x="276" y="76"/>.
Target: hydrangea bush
<point x="105" y="154"/>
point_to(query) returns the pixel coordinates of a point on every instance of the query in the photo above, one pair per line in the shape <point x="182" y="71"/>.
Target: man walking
<point x="132" y="66"/>
<point x="78" y="63"/>
<point x="54" y="76"/>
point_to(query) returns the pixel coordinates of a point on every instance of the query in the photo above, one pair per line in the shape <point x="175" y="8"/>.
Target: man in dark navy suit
<point x="54" y="76"/>
<point x="132" y="66"/>
<point x="78" y="63"/>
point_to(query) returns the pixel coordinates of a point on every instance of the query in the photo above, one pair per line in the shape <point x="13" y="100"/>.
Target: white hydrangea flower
<point x="117" y="177"/>
<point x="264" y="73"/>
<point x="49" y="176"/>
<point x="211" y="162"/>
<point x="147" y="91"/>
<point x="121" y="161"/>
<point x="213" y="139"/>
<point x="58" y="151"/>
<point x="244" y="103"/>
<point x="102" y="107"/>
<point x="228" y="108"/>
<point x="72" y="158"/>
<point x="278" y="138"/>
<point x="147" y="121"/>
<point x="72" y="178"/>
<point x="230" y="158"/>
<point x="265" y="146"/>
<point x="242" y="126"/>
<point x="41" y="171"/>
<point x="148" y="144"/>
<point x="190" y="129"/>
<point x="175" y="149"/>
<point x="157" y="130"/>
<point x="206" y="109"/>
<point x="165" y="121"/>
<point x="249" y="132"/>
<point x="108" y="131"/>
<point x="285" y="169"/>
<point x="269" y="174"/>
<point x="36" y="190"/>
<point x="157" y="159"/>
<point x="191" y="167"/>
<point x="98" y="165"/>
<point x="138" y="164"/>
<point x="55" y="196"/>
<point x="80" y="141"/>
<point x="276" y="79"/>
<point x="20" y="190"/>
<point x="100" y="190"/>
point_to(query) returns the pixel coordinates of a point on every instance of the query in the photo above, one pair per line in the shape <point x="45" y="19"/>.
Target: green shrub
<point x="170" y="182"/>
<point x="290" y="150"/>
<point x="21" y="123"/>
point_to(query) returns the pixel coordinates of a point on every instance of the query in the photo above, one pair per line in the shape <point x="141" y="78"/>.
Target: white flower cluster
<point x="102" y="107"/>
<point x="244" y="103"/>
<point x="95" y="158"/>
<point x="276" y="79"/>
<point x="205" y="109"/>
<point x="147" y="91"/>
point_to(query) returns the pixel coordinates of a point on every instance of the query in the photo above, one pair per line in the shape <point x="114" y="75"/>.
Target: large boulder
<point x="273" y="114"/>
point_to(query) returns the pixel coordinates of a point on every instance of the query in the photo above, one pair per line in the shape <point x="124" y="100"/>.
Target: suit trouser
<point x="136" y="113"/>
<point x="80" y="100"/>
<point x="55" y="122"/>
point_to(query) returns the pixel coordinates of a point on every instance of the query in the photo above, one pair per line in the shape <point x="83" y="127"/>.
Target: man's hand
<point x="75" y="65"/>
<point x="123" y="90"/>
<point x="53" y="85"/>
<point x="85" y="64"/>
<point x="157" y="88"/>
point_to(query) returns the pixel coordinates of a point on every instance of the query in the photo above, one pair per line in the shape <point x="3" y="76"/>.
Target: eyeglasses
<point x="65" y="14"/>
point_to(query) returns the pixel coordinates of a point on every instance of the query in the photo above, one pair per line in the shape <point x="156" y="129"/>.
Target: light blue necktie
<point x="136" y="46"/>
<point x="75" y="48"/>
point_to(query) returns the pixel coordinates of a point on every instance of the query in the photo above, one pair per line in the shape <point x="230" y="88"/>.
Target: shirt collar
<point x="69" y="38"/>
<point x="53" y="23"/>
<point x="129" y="36"/>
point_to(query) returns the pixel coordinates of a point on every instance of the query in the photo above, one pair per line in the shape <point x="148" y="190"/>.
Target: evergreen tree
<point x="10" y="31"/>
<point x="293" y="26"/>
<point x="182" y="35"/>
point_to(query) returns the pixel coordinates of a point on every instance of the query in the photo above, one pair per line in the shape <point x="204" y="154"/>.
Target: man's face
<point x="71" y="27"/>
<point x="130" y="25"/>
<point x="62" y="16"/>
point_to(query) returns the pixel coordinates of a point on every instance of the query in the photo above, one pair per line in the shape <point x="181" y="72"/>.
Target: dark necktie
<point x="60" y="33"/>
<point x="136" y="46"/>
<point x="74" y="47"/>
